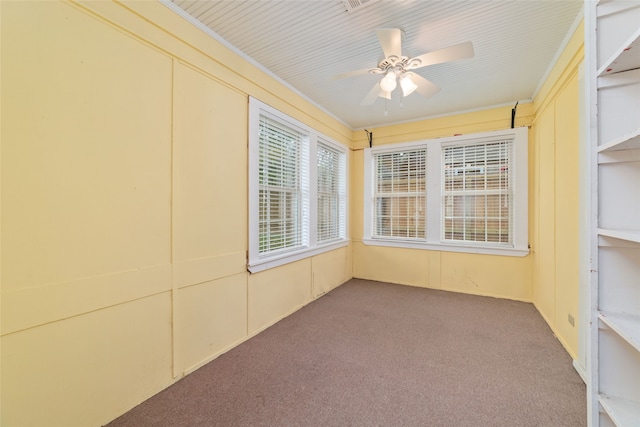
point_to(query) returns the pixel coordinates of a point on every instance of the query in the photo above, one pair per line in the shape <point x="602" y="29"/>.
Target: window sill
<point x="449" y="247"/>
<point x="261" y="264"/>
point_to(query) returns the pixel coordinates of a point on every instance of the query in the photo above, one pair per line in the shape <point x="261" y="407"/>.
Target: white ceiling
<point x="306" y="42"/>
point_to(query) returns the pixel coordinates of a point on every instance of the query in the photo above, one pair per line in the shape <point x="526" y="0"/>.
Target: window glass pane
<point x="279" y="218"/>
<point x="400" y="197"/>
<point x="331" y="193"/>
<point x="478" y="193"/>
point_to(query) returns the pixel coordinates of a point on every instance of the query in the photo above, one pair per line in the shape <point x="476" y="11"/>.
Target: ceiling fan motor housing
<point x="398" y="63"/>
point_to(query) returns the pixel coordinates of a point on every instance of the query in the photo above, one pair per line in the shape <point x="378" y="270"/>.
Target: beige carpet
<point x="377" y="354"/>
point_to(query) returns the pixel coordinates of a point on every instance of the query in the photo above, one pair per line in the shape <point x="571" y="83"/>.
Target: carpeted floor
<point x="377" y="354"/>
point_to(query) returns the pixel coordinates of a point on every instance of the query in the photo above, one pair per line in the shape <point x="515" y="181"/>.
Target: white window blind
<point x="280" y="186"/>
<point x="478" y="192"/>
<point x="400" y="194"/>
<point x="465" y="193"/>
<point x="331" y="193"/>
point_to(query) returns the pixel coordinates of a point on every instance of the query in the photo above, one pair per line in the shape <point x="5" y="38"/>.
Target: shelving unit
<point x="612" y="53"/>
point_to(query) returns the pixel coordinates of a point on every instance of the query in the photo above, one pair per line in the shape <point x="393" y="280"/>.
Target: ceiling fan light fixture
<point x="388" y="83"/>
<point x="396" y="68"/>
<point x="408" y="86"/>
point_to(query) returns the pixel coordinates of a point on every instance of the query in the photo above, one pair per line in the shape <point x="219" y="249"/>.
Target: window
<point x="331" y="193"/>
<point x="280" y="201"/>
<point x="297" y="190"/>
<point x="400" y="194"/>
<point x="477" y="193"/>
<point x="462" y="194"/>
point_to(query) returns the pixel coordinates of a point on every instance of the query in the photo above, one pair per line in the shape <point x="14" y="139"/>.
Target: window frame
<point x="309" y="189"/>
<point x="434" y="239"/>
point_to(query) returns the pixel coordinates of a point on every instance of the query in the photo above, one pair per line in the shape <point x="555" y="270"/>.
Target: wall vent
<point x="353" y="5"/>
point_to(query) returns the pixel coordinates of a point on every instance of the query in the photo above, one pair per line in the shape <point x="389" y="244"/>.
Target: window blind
<point x="279" y="186"/>
<point x="331" y="193"/>
<point x="478" y="192"/>
<point x="400" y="194"/>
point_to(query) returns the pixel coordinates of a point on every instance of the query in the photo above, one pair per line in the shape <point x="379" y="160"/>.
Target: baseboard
<point x="581" y="370"/>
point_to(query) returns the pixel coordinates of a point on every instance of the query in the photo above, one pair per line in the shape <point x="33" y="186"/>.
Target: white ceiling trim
<point x="556" y="57"/>
<point x="454" y="113"/>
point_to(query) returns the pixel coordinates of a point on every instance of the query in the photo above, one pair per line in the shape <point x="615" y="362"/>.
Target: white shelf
<point x="628" y="235"/>
<point x="627" y="57"/>
<point x="629" y="155"/>
<point x="625" y="325"/>
<point x="622" y="412"/>
<point x="629" y="141"/>
<point x="618" y="104"/>
<point x="621" y="79"/>
<point x="612" y="60"/>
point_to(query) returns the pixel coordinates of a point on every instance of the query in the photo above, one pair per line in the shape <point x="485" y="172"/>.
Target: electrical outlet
<point x="571" y="320"/>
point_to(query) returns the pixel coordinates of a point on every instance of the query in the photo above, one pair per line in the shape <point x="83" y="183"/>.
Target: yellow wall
<point x="124" y="196"/>
<point x="124" y="208"/>
<point x="490" y="275"/>
<point x="556" y="215"/>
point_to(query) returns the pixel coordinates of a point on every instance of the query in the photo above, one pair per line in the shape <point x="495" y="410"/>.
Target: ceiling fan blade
<point x="372" y="95"/>
<point x="425" y="87"/>
<point x="448" y="54"/>
<point x="391" y="41"/>
<point x="350" y="74"/>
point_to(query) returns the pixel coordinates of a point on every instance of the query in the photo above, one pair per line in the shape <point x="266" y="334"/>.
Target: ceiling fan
<point x="397" y="68"/>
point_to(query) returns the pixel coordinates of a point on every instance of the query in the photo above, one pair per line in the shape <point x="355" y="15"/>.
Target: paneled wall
<point x="556" y="196"/>
<point x="124" y="208"/>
